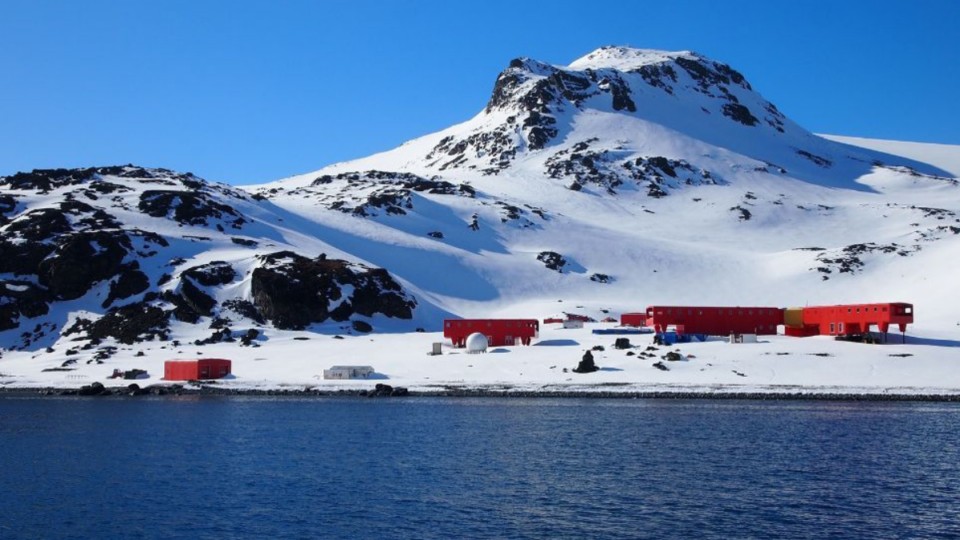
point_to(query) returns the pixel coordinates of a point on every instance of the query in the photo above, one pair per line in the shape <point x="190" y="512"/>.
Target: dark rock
<point x="361" y="326"/>
<point x="127" y="324"/>
<point x="244" y="242"/>
<point x="196" y="299"/>
<point x="81" y="260"/>
<point x="244" y="308"/>
<point x="249" y="337"/>
<point x="600" y="278"/>
<point x="673" y="356"/>
<point x="211" y="274"/>
<point x="130" y="281"/>
<point x="94" y="389"/>
<point x="381" y="390"/>
<point x="552" y="260"/>
<point x="661" y="366"/>
<point x="739" y="113"/>
<point x="20" y="299"/>
<point x="622" y="343"/>
<point x="188" y="207"/>
<point x="293" y="291"/>
<point x="586" y="365"/>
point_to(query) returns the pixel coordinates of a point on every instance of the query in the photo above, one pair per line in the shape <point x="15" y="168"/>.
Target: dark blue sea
<point x="252" y="467"/>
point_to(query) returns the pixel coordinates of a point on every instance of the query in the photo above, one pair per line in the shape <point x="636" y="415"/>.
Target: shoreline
<point x="211" y="391"/>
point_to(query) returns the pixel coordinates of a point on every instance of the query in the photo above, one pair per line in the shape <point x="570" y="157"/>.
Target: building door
<point x="509" y="341"/>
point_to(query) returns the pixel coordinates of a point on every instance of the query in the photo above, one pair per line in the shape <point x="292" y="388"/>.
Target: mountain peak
<point x="627" y="58"/>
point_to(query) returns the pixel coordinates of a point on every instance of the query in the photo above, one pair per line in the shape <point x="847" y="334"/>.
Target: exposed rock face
<point x="293" y="291"/>
<point x="373" y="193"/>
<point x="189" y="208"/>
<point x="81" y="260"/>
<point x="211" y="274"/>
<point x="193" y="298"/>
<point x="609" y="170"/>
<point x="128" y="324"/>
<point x="20" y="298"/>
<point x="129" y="282"/>
<point x="552" y="260"/>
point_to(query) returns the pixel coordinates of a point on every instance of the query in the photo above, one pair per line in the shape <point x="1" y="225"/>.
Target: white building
<point x="348" y="372"/>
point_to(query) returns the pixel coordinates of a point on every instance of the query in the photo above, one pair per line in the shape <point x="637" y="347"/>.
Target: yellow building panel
<point x="793" y="317"/>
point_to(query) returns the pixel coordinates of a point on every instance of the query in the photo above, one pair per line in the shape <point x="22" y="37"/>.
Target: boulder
<point x="94" y="389"/>
<point x="586" y="365"/>
<point x="361" y="326"/>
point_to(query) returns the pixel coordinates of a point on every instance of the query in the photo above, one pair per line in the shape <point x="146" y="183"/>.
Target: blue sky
<point x="244" y="92"/>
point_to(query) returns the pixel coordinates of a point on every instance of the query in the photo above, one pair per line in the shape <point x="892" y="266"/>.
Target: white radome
<point x="476" y="343"/>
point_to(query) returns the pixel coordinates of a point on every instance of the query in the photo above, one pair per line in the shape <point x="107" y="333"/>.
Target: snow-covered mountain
<point x="657" y="177"/>
<point x="629" y="177"/>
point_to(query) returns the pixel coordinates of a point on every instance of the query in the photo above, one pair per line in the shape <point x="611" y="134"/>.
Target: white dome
<point x="476" y="343"/>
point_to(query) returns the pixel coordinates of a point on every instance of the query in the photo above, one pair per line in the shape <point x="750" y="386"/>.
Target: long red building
<point x="193" y="370"/>
<point x="499" y="332"/>
<point x="846" y="320"/>
<point x="633" y="319"/>
<point x="715" y="321"/>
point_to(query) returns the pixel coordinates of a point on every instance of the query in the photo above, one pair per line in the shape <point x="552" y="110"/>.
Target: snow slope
<point x="656" y="177"/>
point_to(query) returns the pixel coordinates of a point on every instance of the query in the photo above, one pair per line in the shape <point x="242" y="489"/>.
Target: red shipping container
<point x="192" y="370"/>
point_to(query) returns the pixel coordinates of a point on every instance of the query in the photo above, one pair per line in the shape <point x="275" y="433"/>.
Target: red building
<point x="633" y="319"/>
<point x="499" y="332"/>
<point x="847" y="320"/>
<point x="192" y="370"/>
<point x="715" y="321"/>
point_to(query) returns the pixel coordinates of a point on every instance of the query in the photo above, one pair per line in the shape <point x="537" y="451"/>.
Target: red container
<point x="192" y="370"/>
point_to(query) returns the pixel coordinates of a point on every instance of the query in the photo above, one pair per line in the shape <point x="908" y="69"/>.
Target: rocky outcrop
<point x="128" y="324"/>
<point x="129" y="282"/>
<point x="81" y="260"/>
<point x="189" y="208"/>
<point x="552" y="260"/>
<point x="20" y="299"/>
<point x="293" y="291"/>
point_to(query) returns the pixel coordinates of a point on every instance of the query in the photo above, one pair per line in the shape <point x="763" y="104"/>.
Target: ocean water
<point x="244" y="467"/>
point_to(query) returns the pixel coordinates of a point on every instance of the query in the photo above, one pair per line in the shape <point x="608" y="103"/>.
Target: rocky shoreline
<point x="134" y="390"/>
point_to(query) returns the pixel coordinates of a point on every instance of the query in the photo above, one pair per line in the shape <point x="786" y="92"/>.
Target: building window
<point x="841" y="328"/>
<point x="833" y="328"/>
